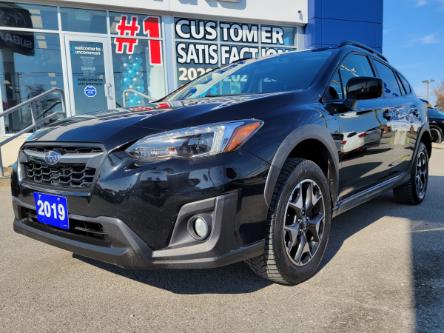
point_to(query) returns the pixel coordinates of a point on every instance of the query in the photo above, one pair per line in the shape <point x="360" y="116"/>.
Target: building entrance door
<point x="90" y="73"/>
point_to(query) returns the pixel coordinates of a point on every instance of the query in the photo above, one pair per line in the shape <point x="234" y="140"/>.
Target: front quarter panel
<point x="281" y="133"/>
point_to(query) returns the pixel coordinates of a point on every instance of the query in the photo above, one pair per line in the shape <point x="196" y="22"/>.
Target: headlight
<point x="196" y="141"/>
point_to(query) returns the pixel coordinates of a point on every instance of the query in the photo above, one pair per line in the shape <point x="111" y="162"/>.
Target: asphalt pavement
<point x="384" y="272"/>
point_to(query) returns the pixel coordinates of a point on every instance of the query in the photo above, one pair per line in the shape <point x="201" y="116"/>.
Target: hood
<point x="436" y="114"/>
<point x="122" y="126"/>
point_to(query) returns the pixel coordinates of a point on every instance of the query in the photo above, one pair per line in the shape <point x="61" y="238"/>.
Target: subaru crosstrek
<point x="249" y="162"/>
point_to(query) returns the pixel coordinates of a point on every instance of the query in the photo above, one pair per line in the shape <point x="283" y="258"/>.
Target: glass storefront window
<point x="46" y="110"/>
<point x="28" y="16"/>
<point x="230" y="53"/>
<point x="27" y="69"/>
<point x="132" y="25"/>
<point x="204" y="44"/>
<point x="83" y="20"/>
<point x="278" y="36"/>
<point x="137" y="71"/>
<point x="126" y="44"/>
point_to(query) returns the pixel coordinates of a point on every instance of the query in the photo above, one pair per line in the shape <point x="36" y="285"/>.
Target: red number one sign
<point x="127" y="31"/>
<point x="151" y="28"/>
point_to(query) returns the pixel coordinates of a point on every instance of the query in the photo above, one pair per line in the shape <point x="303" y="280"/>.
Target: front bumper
<point x="135" y="214"/>
<point x="147" y="197"/>
<point x="122" y="247"/>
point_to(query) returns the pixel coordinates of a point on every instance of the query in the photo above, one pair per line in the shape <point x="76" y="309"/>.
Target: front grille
<point x="76" y="176"/>
<point x="76" y="168"/>
<point x="91" y="232"/>
<point x="65" y="149"/>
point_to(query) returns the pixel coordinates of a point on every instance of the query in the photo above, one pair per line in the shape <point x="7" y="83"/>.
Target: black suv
<point x="436" y="121"/>
<point x="249" y="162"/>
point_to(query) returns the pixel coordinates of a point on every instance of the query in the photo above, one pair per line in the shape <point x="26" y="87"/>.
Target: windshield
<point x="285" y="72"/>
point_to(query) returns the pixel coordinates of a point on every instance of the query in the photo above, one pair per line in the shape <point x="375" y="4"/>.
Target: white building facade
<point x="105" y="54"/>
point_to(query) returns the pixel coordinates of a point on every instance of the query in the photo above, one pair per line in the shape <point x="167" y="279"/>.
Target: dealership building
<point x="95" y="55"/>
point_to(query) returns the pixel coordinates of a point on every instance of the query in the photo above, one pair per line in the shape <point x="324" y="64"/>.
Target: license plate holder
<point x="52" y="210"/>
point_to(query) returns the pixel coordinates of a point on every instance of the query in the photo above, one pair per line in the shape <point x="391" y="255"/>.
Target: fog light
<point x="201" y="227"/>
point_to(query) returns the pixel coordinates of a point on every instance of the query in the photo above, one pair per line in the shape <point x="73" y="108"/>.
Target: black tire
<point x="436" y="134"/>
<point x="276" y="263"/>
<point x="412" y="193"/>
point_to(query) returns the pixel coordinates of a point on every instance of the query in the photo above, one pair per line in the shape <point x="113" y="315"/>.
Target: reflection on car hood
<point x="125" y="125"/>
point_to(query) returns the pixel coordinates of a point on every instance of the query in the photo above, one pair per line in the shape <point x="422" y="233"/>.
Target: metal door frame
<point x="107" y="61"/>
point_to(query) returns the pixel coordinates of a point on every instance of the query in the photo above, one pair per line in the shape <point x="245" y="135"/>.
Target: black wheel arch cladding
<point x="306" y="133"/>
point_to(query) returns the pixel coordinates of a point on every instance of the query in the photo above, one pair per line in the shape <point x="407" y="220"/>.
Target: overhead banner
<point x="202" y="45"/>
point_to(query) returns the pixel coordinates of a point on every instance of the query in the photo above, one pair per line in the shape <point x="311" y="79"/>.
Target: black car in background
<point x="250" y="162"/>
<point x="436" y="122"/>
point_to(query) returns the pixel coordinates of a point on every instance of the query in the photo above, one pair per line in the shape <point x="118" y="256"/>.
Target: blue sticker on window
<point x="90" y="91"/>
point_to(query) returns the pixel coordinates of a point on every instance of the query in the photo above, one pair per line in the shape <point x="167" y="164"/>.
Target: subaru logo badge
<point x="53" y="157"/>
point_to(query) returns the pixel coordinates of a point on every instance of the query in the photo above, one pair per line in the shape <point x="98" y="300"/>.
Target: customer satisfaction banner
<point x="202" y="45"/>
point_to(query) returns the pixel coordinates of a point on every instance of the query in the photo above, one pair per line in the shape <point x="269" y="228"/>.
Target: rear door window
<point x="391" y="86"/>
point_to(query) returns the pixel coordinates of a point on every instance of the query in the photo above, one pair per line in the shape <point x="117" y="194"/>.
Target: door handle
<point x="387" y="115"/>
<point x="108" y="90"/>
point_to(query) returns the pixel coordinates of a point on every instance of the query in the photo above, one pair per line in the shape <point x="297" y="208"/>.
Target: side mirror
<point x="360" y="88"/>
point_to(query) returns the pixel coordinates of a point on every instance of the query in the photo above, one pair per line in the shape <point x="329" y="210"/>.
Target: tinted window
<point x="335" y="90"/>
<point x="28" y="16"/>
<point x="391" y="86"/>
<point x="83" y="20"/>
<point x="29" y="70"/>
<point x="286" y="72"/>
<point x="135" y="71"/>
<point x="355" y="65"/>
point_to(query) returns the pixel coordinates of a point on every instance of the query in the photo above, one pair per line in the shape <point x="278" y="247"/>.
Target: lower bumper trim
<point x="127" y="250"/>
<point x="238" y="255"/>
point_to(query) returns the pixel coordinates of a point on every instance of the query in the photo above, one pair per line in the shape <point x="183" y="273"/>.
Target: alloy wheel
<point x="422" y="174"/>
<point x="304" y="222"/>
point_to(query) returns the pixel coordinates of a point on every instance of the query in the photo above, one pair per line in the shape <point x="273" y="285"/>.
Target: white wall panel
<point x="291" y="11"/>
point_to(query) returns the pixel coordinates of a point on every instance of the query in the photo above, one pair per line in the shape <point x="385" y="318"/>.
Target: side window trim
<point x="401" y="86"/>
<point x="372" y="65"/>
<point x="408" y="89"/>
<point x="342" y="84"/>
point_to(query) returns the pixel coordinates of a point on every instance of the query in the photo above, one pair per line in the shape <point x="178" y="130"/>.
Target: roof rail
<point x="362" y="46"/>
